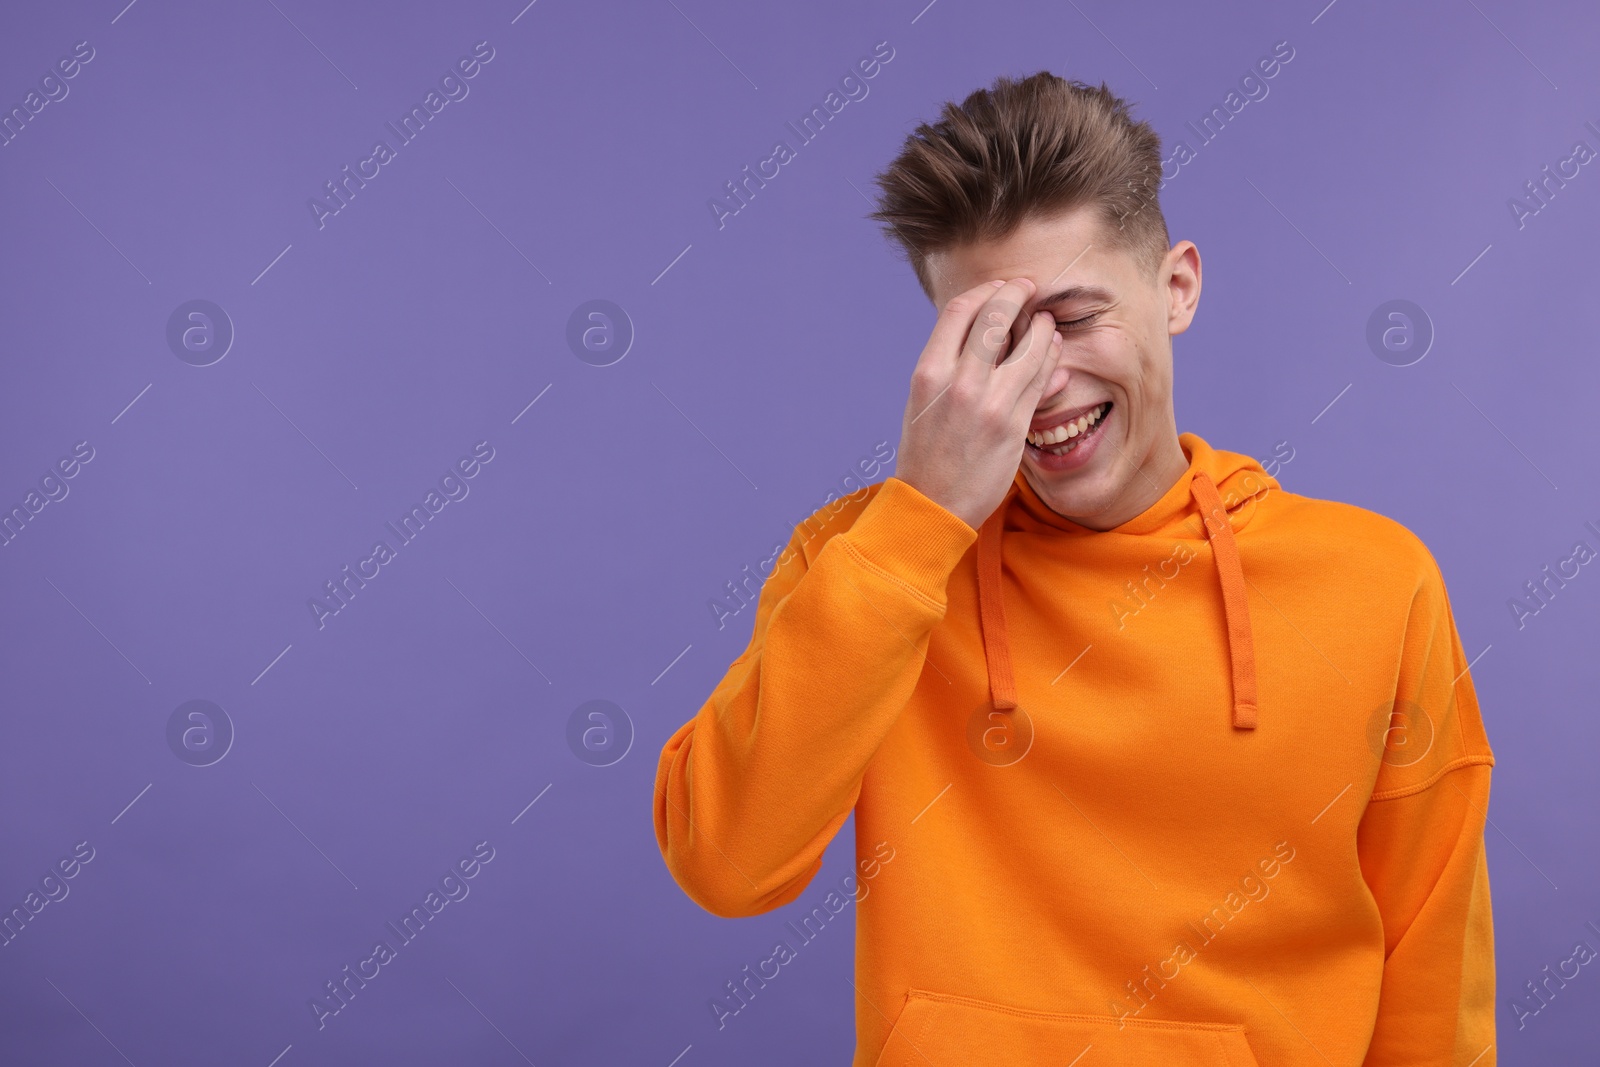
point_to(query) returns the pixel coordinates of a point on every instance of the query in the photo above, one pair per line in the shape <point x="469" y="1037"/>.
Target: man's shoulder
<point x="1349" y="537"/>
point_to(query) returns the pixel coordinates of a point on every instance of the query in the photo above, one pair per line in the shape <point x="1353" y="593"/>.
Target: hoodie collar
<point x="1218" y="492"/>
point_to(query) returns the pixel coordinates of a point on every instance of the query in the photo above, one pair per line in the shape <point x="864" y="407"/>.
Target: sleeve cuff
<point x="906" y="535"/>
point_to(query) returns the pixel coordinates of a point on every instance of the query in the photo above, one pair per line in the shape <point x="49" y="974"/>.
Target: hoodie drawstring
<point x="992" y="613"/>
<point x="1235" y="603"/>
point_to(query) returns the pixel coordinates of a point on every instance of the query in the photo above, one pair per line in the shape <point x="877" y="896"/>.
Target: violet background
<point x="770" y="355"/>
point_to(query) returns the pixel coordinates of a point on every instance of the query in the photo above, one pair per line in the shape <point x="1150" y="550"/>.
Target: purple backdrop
<point x="217" y="397"/>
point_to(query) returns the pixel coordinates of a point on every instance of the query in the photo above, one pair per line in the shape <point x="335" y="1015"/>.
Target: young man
<point x="1152" y="761"/>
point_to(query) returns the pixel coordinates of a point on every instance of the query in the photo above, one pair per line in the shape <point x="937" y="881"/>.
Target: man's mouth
<point x="1059" y="440"/>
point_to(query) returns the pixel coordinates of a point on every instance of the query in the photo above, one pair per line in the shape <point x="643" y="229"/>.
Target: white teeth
<point x="1066" y="431"/>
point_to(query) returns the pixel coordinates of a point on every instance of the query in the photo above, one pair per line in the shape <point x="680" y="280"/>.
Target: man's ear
<point x="1180" y="279"/>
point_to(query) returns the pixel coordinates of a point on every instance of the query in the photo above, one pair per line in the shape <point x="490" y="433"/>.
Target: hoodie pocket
<point x="947" y="1030"/>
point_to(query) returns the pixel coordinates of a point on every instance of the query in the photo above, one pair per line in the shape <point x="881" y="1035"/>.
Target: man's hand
<point x="973" y="396"/>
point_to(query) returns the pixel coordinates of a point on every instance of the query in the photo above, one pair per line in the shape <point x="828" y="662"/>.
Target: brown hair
<point x="1022" y="149"/>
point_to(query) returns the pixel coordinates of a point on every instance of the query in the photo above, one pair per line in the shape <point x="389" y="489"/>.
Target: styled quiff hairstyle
<point x="1020" y="150"/>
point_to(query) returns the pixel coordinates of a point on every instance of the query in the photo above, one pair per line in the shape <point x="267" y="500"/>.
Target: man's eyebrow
<point x="1096" y="293"/>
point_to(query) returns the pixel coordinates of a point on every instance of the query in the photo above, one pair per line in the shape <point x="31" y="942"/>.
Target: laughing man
<point x="1177" y="765"/>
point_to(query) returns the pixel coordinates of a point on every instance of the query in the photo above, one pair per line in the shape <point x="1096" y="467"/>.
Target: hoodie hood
<point x="1218" y="492"/>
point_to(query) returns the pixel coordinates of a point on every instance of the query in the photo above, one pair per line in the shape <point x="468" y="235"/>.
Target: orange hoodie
<point x="1176" y="793"/>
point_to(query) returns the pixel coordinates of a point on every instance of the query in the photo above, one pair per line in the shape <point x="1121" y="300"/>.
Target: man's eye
<point x="1079" y="322"/>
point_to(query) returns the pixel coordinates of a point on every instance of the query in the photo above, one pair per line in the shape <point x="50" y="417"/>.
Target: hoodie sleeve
<point x="1422" y="851"/>
<point x="749" y="792"/>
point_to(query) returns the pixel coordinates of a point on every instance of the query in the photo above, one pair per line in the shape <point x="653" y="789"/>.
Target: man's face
<point x="1116" y="326"/>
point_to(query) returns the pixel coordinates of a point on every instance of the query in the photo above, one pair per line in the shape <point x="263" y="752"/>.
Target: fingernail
<point x="998" y="282"/>
<point x="1057" y="337"/>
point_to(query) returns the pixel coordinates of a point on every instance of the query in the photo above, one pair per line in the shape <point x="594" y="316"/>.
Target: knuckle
<point x="965" y="393"/>
<point x="995" y="336"/>
<point x="995" y="418"/>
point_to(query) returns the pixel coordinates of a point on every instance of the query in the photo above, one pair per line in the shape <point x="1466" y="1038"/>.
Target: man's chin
<point x="1070" y="494"/>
